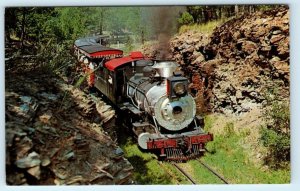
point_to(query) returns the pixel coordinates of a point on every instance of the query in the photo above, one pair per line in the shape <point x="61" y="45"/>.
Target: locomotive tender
<point x="151" y="96"/>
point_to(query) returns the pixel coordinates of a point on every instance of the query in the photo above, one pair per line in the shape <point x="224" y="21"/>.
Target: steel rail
<point x="213" y="171"/>
<point x="168" y="172"/>
<point x="184" y="173"/>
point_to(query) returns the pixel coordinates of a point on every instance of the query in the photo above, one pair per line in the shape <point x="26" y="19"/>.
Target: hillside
<point x="54" y="137"/>
<point x="239" y="63"/>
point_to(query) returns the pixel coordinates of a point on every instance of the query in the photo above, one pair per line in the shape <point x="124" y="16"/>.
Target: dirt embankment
<point x="53" y="135"/>
<point x="242" y="60"/>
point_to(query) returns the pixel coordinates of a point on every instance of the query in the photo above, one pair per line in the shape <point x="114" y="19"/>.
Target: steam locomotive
<point x="150" y="95"/>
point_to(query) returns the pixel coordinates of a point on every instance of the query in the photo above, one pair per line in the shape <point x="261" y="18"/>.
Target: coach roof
<point x="115" y="63"/>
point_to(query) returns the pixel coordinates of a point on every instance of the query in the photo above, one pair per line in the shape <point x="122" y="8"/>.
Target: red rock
<point x="249" y="47"/>
<point x="276" y="38"/>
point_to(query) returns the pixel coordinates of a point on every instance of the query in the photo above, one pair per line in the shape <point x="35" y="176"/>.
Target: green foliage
<point x="147" y="170"/>
<point x="196" y="12"/>
<point x="71" y="22"/>
<point x="186" y="19"/>
<point x="232" y="161"/>
<point x="38" y="26"/>
<point x="31" y="21"/>
<point x="97" y="19"/>
<point x="276" y="135"/>
<point x="279" y="116"/>
<point x="54" y="56"/>
<point x="128" y="45"/>
<point x="204" y="13"/>
<point x="35" y="26"/>
<point x="123" y="18"/>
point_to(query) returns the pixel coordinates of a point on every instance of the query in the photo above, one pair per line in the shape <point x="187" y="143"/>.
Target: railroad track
<point x="213" y="171"/>
<point x="169" y="172"/>
<point x="188" y="176"/>
<point x="184" y="173"/>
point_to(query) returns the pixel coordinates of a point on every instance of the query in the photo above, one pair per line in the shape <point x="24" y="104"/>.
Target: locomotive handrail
<point x="143" y="93"/>
<point x="157" y="130"/>
<point x="135" y="90"/>
<point x="137" y="106"/>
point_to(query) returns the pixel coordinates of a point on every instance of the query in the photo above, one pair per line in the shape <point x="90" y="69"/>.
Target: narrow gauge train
<point x="151" y="96"/>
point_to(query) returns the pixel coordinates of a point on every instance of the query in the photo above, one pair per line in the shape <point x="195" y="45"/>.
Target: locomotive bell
<point x="165" y="69"/>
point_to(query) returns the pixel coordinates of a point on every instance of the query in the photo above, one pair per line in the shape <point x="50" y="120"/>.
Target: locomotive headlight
<point x="179" y="89"/>
<point x="177" y="86"/>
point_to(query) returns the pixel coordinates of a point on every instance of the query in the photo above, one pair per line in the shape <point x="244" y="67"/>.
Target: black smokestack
<point x="164" y="23"/>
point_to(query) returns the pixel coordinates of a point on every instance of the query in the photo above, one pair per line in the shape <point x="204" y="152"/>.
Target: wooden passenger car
<point x="112" y="69"/>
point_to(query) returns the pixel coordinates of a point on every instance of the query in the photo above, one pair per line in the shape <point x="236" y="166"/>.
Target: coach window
<point x="110" y="79"/>
<point x="100" y="71"/>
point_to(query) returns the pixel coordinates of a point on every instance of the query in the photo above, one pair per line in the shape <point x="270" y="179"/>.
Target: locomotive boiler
<point x="151" y="97"/>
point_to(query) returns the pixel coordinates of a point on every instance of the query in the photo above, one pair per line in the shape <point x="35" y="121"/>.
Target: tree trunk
<point x="201" y="19"/>
<point x="23" y="28"/>
<point x="228" y="11"/>
<point x="236" y="10"/>
<point x="206" y="14"/>
<point x="143" y="36"/>
<point x="243" y="9"/>
<point x="101" y="23"/>
<point x="220" y="13"/>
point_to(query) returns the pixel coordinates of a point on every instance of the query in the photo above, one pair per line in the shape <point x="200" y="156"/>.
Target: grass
<point x="232" y="161"/>
<point x="178" y="176"/>
<point x="227" y="156"/>
<point x="206" y="28"/>
<point x="201" y="175"/>
<point x="208" y="121"/>
<point x="147" y="169"/>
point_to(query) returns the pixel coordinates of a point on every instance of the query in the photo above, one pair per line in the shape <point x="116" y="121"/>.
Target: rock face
<point x="53" y="135"/>
<point x="242" y="59"/>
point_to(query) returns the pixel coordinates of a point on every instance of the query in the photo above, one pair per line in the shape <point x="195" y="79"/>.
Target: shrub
<point x="276" y="134"/>
<point x="186" y="19"/>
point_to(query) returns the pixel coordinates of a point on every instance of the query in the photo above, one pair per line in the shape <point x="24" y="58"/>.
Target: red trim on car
<point x="115" y="63"/>
<point x="106" y="53"/>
